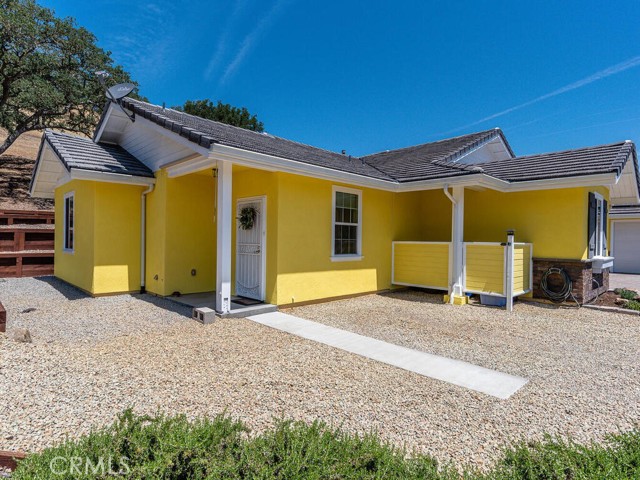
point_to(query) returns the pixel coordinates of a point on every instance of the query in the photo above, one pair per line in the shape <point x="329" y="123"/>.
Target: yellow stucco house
<point x="174" y="203"/>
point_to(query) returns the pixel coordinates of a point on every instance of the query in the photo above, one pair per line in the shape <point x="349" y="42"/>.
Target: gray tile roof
<point x="569" y="163"/>
<point x="207" y="132"/>
<point x="433" y="160"/>
<point x="625" y="210"/>
<point x="84" y="154"/>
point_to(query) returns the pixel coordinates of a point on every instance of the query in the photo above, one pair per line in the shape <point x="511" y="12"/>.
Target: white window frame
<point x="65" y="226"/>
<point x="601" y="247"/>
<point x="345" y="257"/>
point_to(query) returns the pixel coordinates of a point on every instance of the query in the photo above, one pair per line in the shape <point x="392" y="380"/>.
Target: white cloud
<point x="607" y="72"/>
<point x="223" y="42"/>
<point x="250" y="40"/>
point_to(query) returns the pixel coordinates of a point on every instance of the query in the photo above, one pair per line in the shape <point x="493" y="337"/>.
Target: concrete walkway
<point x="624" y="280"/>
<point x="459" y="373"/>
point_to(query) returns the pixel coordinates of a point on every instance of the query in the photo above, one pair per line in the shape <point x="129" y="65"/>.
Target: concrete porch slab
<point x="467" y="375"/>
<point x="208" y="299"/>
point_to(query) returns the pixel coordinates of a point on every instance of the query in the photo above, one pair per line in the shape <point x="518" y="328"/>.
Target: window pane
<point x="346" y="234"/>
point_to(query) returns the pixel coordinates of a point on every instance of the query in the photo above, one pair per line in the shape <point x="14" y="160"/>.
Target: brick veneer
<point x="581" y="273"/>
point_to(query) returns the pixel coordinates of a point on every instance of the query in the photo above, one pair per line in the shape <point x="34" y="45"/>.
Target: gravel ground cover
<point x="91" y="358"/>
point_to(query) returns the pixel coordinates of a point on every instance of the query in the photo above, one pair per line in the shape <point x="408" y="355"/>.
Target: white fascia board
<point x="190" y="166"/>
<point x="267" y="162"/>
<point x="470" y="180"/>
<point x="105" y="120"/>
<point x="271" y="163"/>
<point x="149" y="125"/>
<point x="106" y="177"/>
<point x="600" y="180"/>
<point x="262" y="161"/>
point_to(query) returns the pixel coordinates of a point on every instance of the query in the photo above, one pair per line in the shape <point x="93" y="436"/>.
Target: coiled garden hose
<point x="564" y="292"/>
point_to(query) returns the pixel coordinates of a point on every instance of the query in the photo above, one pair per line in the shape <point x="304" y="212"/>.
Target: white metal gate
<point x="250" y="251"/>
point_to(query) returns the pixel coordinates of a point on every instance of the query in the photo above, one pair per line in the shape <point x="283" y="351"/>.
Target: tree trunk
<point x="12" y="138"/>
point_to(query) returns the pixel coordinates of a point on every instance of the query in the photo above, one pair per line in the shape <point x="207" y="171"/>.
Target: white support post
<point x="508" y="271"/>
<point x="224" y="225"/>
<point x="457" y="238"/>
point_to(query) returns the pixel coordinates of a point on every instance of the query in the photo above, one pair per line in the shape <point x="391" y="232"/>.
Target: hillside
<point x="16" y="166"/>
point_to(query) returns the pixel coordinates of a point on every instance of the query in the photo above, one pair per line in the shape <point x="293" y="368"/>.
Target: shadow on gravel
<point x="164" y="303"/>
<point x="69" y="291"/>
<point x="417" y="295"/>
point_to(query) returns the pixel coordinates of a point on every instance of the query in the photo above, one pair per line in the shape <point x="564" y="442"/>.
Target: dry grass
<point x="26" y="146"/>
<point x="16" y="166"/>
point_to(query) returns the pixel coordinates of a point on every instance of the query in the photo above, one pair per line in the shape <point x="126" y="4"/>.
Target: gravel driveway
<point x="91" y="358"/>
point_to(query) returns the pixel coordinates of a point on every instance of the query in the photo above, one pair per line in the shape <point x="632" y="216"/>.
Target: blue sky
<point x="377" y="75"/>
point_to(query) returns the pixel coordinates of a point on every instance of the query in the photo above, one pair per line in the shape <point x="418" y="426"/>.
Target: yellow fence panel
<point x="421" y="264"/>
<point x="484" y="268"/>
<point x="521" y="268"/>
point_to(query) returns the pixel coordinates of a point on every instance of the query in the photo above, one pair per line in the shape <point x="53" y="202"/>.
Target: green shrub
<point x="555" y="459"/>
<point x="174" y="448"/>
<point x="633" y="305"/>
<point x="626" y="294"/>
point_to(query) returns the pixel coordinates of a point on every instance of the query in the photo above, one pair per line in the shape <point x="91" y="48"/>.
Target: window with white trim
<point x="597" y="225"/>
<point x="347" y="222"/>
<point x="69" y="222"/>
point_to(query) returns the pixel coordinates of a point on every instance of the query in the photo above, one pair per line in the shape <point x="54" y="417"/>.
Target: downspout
<point x="454" y="203"/>
<point x="143" y="237"/>
<point x="449" y="196"/>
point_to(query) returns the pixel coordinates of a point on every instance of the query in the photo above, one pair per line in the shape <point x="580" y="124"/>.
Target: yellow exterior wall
<point x="555" y="221"/>
<point x="156" y="238"/>
<point x="77" y="267"/>
<point x="421" y="264"/>
<point x="181" y="234"/>
<point x="116" y="238"/>
<point x="305" y="269"/>
<point x="106" y="257"/>
<point x="436" y="213"/>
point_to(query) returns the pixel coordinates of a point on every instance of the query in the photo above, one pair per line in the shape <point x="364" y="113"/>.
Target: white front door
<point x="250" y="247"/>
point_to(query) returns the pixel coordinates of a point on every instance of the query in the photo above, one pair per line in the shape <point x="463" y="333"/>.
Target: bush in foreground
<point x="173" y="448"/>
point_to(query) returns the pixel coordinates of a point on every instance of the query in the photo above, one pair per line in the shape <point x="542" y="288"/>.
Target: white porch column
<point x="224" y="215"/>
<point x="457" y="238"/>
